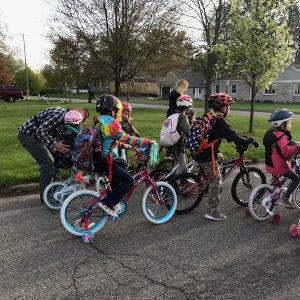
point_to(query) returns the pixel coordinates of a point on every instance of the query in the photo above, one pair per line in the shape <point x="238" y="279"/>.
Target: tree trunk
<point x="253" y="94"/>
<point x="117" y="88"/>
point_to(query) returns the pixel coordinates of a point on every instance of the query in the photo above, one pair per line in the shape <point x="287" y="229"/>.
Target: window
<point x="196" y="91"/>
<point x="296" y="89"/>
<point x="233" y="89"/>
<point x="131" y="82"/>
<point x="271" y="90"/>
<point x="217" y="88"/>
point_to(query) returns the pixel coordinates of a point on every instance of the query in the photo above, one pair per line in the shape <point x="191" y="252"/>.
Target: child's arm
<point x="287" y="151"/>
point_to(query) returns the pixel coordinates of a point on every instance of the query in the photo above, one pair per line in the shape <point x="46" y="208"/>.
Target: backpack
<point x="196" y="139"/>
<point x="88" y="151"/>
<point x="169" y="134"/>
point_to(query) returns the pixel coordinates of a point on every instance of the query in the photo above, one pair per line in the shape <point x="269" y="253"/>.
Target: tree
<point x="294" y="26"/>
<point x="125" y="37"/>
<point x="212" y="16"/>
<point x="35" y="82"/>
<point x="260" y="44"/>
<point x="7" y="61"/>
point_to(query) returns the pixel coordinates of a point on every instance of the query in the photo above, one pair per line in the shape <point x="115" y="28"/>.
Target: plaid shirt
<point x="45" y="124"/>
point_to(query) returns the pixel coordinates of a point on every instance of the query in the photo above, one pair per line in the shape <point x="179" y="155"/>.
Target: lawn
<point x="17" y="166"/>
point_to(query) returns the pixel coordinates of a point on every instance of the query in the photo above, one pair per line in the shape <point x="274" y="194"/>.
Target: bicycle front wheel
<point x="189" y="190"/>
<point x="244" y="182"/>
<point x="154" y="211"/>
<point x="80" y="214"/>
<point x="260" y="200"/>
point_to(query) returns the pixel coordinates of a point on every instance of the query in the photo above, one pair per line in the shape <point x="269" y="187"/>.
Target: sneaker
<point x="215" y="215"/>
<point x="79" y="177"/>
<point x="107" y="209"/>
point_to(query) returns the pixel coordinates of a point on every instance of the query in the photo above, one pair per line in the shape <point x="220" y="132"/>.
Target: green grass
<point x="17" y="166"/>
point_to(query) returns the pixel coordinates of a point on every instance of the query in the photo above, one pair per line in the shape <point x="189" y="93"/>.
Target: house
<point x="286" y="88"/>
<point x="162" y="87"/>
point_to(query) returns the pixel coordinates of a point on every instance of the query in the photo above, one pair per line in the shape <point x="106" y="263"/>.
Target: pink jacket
<point x="282" y="165"/>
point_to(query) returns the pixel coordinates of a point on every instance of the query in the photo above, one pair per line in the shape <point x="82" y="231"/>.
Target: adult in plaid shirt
<point x="37" y="135"/>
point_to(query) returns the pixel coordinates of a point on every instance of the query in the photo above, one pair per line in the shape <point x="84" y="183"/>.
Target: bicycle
<point x="264" y="199"/>
<point x="190" y="188"/>
<point x="56" y="192"/>
<point x="80" y="215"/>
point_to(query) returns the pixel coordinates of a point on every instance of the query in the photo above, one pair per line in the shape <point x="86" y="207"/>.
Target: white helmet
<point x="280" y="116"/>
<point x="73" y="117"/>
<point x="184" y="100"/>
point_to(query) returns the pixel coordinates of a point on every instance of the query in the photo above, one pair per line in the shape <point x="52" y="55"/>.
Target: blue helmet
<point x="280" y="116"/>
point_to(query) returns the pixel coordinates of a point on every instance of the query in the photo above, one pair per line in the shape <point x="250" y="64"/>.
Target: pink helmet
<point x="126" y="106"/>
<point x="73" y="117"/>
<point x="184" y="100"/>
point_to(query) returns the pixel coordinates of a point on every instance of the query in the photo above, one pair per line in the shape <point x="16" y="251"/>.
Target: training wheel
<point x="293" y="231"/>
<point x="276" y="219"/>
<point x="88" y="237"/>
<point x="247" y="212"/>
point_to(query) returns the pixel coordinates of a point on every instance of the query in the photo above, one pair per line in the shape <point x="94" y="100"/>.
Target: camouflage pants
<point x="215" y="184"/>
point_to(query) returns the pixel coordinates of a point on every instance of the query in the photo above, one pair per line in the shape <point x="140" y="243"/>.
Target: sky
<point x="31" y="18"/>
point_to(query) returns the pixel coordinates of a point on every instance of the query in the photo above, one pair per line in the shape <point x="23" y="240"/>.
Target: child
<point x="108" y="107"/>
<point x="184" y="104"/>
<point x="126" y="120"/>
<point x="71" y="128"/>
<point x="279" y="150"/>
<point x="208" y="159"/>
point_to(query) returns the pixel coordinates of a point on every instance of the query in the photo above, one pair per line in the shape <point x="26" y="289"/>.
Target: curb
<point x="21" y="189"/>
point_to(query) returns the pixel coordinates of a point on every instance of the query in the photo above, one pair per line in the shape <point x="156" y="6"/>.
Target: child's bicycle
<point x="264" y="199"/>
<point x="190" y="188"/>
<point x="81" y="216"/>
<point x="57" y="192"/>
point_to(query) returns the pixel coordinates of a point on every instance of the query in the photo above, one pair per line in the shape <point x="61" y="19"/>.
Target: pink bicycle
<point x="81" y="215"/>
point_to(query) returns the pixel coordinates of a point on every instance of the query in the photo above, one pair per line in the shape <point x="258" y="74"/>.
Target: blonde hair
<point x="181" y="86"/>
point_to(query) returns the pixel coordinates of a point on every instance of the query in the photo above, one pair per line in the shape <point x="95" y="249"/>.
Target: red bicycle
<point x="81" y="215"/>
<point x="190" y="188"/>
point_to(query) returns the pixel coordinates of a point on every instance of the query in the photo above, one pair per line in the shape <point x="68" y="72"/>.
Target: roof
<point x="289" y="74"/>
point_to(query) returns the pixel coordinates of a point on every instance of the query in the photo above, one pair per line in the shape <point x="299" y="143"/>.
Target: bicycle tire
<point x="75" y="207"/>
<point x="189" y="194"/>
<point x="256" y="209"/>
<point x="167" y="163"/>
<point x="155" y="212"/>
<point x="160" y="174"/>
<point x="255" y="177"/>
<point x="49" y="195"/>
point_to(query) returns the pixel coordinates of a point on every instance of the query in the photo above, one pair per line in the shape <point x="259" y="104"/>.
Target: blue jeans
<point x="44" y="157"/>
<point x="121" y="184"/>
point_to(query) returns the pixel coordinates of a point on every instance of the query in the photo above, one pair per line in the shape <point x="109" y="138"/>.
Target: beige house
<point x="286" y="88"/>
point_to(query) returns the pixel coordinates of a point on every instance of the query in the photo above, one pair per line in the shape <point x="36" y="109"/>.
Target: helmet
<point x="279" y="116"/>
<point x="184" y="100"/>
<point x="126" y="106"/>
<point x="73" y="117"/>
<point x="106" y="102"/>
<point x="219" y="100"/>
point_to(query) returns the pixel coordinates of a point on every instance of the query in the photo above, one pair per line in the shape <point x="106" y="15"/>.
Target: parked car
<point x="10" y="93"/>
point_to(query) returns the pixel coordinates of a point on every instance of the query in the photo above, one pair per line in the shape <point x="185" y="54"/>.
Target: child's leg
<point x="182" y="163"/>
<point x="295" y="180"/>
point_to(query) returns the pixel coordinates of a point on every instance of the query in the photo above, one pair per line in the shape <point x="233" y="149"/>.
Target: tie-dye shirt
<point x="111" y="129"/>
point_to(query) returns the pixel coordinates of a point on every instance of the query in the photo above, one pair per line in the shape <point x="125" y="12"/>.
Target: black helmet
<point x="280" y="116"/>
<point x="106" y="102"/>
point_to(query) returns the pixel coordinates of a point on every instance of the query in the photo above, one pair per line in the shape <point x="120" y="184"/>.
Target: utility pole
<point x="26" y="71"/>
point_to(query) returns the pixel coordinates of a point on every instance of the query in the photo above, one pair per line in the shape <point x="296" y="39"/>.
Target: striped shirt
<point x="45" y="125"/>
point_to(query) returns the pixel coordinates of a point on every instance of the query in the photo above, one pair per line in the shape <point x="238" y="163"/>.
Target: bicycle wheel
<point x="160" y="174"/>
<point x="296" y="198"/>
<point x="244" y="182"/>
<point x="167" y="163"/>
<point x="260" y="199"/>
<point x="154" y="211"/>
<point x="80" y="214"/>
<point x="56" y="192"/>
<point x="189" y="191"/>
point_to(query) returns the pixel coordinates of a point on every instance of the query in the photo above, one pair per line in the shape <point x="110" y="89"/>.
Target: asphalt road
<point x="187" y="258"/>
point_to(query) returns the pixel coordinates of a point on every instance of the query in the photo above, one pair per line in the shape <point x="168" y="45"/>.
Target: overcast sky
<point x="28" y="17"/>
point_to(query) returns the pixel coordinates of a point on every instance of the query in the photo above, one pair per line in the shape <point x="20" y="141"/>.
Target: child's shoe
<point x="79" y="177"/>
<point x="287" y="202"/>
<point x="107" y="209"/>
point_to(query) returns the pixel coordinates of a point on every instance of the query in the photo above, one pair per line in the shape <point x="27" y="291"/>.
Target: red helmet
<point x="126" y="106"/>
<point x="219" y="100"/>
